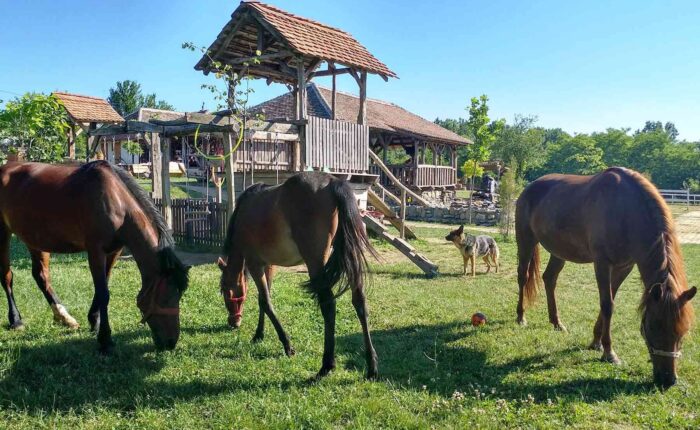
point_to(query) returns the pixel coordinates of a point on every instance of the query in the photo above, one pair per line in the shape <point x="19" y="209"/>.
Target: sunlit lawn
<point x="436" y="370"/>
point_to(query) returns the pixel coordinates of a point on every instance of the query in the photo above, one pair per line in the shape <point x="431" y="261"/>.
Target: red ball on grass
<point x="478" y="319"/>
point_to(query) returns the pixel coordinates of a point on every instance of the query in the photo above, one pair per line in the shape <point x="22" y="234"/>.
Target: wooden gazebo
<point x="85" y="114"/>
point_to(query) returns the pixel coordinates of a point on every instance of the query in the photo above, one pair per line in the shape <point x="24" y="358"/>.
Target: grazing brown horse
<point x="293" y="223"/>
<point x="615" y="219"/>
<point x="96" y="208"/>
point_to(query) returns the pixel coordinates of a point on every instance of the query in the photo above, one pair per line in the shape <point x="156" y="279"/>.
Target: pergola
<point x="85" y="113"/>
<point x="290" y="50"/>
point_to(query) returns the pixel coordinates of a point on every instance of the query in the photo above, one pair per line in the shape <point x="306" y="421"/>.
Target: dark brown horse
<point x="298" y="222"/>
<point x="96" y="208"/>
<point x="615" y="219"/>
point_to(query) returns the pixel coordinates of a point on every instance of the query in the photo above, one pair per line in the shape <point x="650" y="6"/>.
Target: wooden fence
<point x="336" y="145"/>
<point x="680" y="197"/>
<point x="197" y="222"/>
<point x="268" y="155"/>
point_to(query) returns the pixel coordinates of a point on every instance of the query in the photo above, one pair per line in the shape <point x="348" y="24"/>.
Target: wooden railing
<point x="435" y="176"/>
<point x="270" y="155"/>
<point x="198" y="222"/>
<point x="338" y="146"/>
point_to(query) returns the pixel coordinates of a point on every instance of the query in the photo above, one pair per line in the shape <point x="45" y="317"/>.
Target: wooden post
<point x="71" y="142"/>
<point x="156" y="167"/>
<point x="91" y="144"/>
<point x="403" y="213"/>
<point x="229" y="165"/>
<point x="165" y="181"/>
<point x="331" y="66"/>
<point x="301" y="90"/>
<point x="362" y="114"/>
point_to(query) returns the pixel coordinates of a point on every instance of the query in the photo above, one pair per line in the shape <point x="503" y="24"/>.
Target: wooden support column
<point x="362" y="114"/>
<point x="91" y="141"/>
<point x="156" y="166"/>
<point x="165" y="181"/>
<point x="331" y="67"/>
<point x="71" y="142"/>
<point x="301" y="90"/>
<point x="229" y="166"/>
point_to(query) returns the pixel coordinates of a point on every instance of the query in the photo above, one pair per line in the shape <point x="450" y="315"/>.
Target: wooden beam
<point x="331" y="67"/>
<point x="418" y="199"/>
<point x="266" y="57"/>
<point x="362" y="114"/>
<point x="312" y="67"/>
<point x="301" y="90"/>
<point x="165" y="181"/>
<point x="156" y="167"/>
<point x="229" y="166"/>
<point x="244" y="16"/>
<point x="330" y="72"/>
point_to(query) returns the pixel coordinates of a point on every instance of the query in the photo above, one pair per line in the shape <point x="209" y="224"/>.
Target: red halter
<point x="151" y="297"/>
<point x="236" y="301"/>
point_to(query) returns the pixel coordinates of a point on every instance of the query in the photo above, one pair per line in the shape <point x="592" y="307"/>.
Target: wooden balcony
<point x="421" y="176"/>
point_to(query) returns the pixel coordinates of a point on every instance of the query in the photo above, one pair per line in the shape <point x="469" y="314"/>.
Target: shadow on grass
<point x="428" y="357"/>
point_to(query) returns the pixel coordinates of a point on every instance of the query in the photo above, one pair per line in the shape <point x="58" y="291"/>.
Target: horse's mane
<point x="230" y="230"/>
<point x="665" y="256"/>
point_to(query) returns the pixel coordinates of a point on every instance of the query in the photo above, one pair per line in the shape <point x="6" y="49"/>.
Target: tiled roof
<point x="381" y="115"/>
<point x="146" y="114"/>
<point x="88" y="109"/>
<point x="289" y="36"/>
<point x="319" y="40"/>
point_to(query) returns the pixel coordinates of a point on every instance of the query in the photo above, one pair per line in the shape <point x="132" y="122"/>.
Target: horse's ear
<point x="221" y="263"/>
<point x="655" y="292"/>
<point x="686" y="296"/>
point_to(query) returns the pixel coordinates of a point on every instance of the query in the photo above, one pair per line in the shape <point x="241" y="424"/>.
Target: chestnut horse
<point x="98" y="208"/>
<point x="298" y="222"/>
<point x="615" y="219"/>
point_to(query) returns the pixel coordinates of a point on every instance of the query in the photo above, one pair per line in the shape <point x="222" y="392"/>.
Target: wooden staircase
<point x="404" y="247"/>
<point x="391" y="216"/>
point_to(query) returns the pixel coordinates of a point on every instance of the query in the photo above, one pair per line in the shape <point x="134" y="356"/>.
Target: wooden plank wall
<point x="197" y="222"/>
<point x="269" y="155"/>
<point x="339" y="146"/>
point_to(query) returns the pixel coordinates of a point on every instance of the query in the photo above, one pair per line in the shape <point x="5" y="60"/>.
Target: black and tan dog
<point x="474" y="246"/>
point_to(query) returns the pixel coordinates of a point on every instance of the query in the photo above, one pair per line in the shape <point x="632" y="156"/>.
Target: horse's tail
<point x="165" y="239"/>
<point x="347" y="263"/>
<point x="533" y="277"/>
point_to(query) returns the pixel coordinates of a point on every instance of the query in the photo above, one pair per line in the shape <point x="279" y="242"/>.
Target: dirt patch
<point x="688" y="227"/>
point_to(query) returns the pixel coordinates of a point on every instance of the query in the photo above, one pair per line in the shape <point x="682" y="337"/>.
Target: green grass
<point x="436" y="370"/>
<point x="178" y="187"/>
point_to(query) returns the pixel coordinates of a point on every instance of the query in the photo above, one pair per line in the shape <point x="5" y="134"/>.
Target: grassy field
<point x="436" y="370"/>
<point x="178" y="187"/>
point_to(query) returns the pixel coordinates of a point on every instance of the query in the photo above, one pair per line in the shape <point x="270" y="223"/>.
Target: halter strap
<point x="237" y="301"/>
<point x="153" y="307"/>
<point x="660" y="353"/>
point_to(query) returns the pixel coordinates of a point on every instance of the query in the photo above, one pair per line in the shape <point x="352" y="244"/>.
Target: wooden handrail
<point x="396" y="182"/>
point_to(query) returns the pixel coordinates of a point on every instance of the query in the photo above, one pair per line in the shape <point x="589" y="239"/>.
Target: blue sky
<point x="581" y="66"/>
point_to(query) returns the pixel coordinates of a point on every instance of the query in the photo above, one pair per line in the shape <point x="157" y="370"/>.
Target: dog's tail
<point x="495" y="251"/>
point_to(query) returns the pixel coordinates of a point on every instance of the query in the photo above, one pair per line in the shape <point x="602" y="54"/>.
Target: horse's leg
<point x="40" y="273"/>
<point x="94" y="312"/>
<point x="550" y="275"/>
<point x="260" y="330"/>
<point x="265" y="304"/>
<point x="526" y="250"/>
<point x="326" y="301"/>
<point x="358" y="301"/>
<point x="98" y="268"/>
<point x="6" y="280"/>
<point x="602" y="275"/>
<point x="619" y="274"/>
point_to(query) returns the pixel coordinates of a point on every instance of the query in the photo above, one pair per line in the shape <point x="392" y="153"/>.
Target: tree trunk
<point x="471" y="192"/>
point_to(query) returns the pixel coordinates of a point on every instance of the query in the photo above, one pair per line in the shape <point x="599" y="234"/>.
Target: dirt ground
<point x="688" y="227"/>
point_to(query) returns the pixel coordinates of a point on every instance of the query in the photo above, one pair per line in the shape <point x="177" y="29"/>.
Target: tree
<point x="37" y="125"/>
<point x="468" y="169"/>
<point x="127" y="97"/>
<point x="616" y="145"/>
<point x="483" y="134"/>
<point x="576" y="155"/>
<point x="657" y="126"/>
<point x="521" y="144"/>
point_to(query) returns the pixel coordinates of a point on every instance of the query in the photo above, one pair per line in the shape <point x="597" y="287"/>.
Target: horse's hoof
<point x="596" y="346"/>
<point x="17" y="326"/>
<point x="106" y="349"/>
<point x="290" y="351"/>
<point x="560" y="327"/>
<point x="325" y="371"/>
<point x="372" y="375"/>
<point x="61" y="316"/>
<point x="522" y="322"/>
<point x="611" y="358"/>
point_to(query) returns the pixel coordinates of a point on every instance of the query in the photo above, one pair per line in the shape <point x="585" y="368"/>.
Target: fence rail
<point x="680" y="197"/>
<point x="197" y="222"/>
<point x="337" y="145"/>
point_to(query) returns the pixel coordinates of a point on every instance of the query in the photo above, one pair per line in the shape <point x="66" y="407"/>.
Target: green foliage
<point x="510" y="188"/>
<point x="692" y="184"/>
<point x="126" y="97"/>
<point x="520" y="144"/>
<point x="35" y="125"/>
<point x="468" y="169"/>
<point x="480" y="128"/>
<point x="132" y="147"/>
<point x="576" y="155"/>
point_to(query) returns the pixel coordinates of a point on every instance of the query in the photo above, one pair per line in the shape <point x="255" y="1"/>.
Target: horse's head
<point x="159" y="301"/>
<point x="234" y="289"/>
<point x="665" y="320"/>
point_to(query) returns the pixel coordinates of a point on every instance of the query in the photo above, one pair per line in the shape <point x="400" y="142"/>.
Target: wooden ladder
<point x="427" y="266"/>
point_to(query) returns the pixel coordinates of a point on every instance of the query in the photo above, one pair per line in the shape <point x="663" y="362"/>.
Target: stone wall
<point x="453" y="215"/>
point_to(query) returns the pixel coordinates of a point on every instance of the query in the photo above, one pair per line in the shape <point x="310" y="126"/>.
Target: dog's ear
<point x="460" y="229"/>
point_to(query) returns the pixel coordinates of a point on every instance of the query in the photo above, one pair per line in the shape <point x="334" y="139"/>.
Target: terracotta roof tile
<point x="88" y="109"/>
<point x="381" y="115"/>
